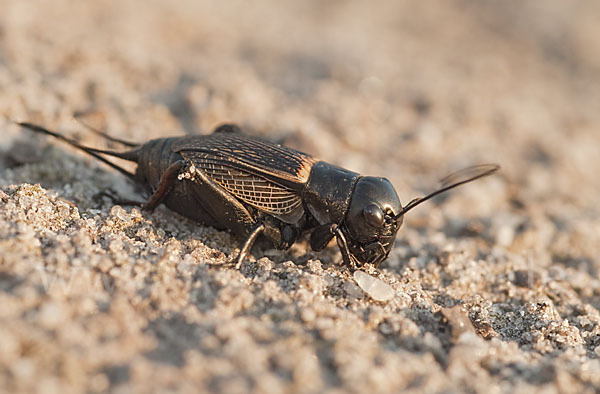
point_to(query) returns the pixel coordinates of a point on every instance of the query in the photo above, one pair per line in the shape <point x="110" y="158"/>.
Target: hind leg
<point x="228" y="211"/>
<point x="167" y="182"/>
<point x="189" y="191"/>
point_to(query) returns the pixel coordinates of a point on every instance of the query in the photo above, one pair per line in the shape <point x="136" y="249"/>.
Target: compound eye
<point x="373" y="215"/>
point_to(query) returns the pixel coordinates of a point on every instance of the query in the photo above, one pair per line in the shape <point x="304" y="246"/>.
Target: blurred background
<point x="402" y="89"/>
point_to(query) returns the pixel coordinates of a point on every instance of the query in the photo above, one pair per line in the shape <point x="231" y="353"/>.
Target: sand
<point x="495" y="285"/>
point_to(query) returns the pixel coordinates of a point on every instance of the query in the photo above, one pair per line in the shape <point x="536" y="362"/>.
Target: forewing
<point x="253" y="189"/>
<point x="284" y="166"/>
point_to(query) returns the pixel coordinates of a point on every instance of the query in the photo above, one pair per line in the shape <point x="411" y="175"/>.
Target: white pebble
<point x="375" y="288"/>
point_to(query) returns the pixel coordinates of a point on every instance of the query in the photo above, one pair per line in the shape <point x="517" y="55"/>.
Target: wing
<point x="281" y="164"/>
<point x="266" y="176"/>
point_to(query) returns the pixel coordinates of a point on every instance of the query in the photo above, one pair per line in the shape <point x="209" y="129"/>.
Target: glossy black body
<point x="325" y="192"/>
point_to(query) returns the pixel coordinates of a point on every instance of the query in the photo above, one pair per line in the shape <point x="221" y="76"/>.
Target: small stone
<point x="459" y="321"/>
<point x="375" y="288"/>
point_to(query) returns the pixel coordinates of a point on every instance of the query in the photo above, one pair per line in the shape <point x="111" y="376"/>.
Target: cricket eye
<point x="373" y="215"/>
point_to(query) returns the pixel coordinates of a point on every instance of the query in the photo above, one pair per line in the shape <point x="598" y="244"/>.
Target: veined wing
<point x="282" y="165"/>
<point x="266" y="176"/>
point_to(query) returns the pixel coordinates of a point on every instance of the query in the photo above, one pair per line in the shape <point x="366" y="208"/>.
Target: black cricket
<point x="250" y="186"/>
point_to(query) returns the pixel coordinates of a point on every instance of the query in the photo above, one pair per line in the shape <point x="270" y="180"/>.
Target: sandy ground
<point x="496" y="284"/>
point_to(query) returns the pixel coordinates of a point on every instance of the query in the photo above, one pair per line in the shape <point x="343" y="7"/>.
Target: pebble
<point x="459" y="321"/>
<point x="374" y="287"/>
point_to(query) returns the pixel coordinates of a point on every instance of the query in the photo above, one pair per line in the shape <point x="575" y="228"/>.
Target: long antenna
<point x="453" y="180"/>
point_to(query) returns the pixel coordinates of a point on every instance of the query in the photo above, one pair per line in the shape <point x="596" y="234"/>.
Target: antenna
<point x="453" y="180"/>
